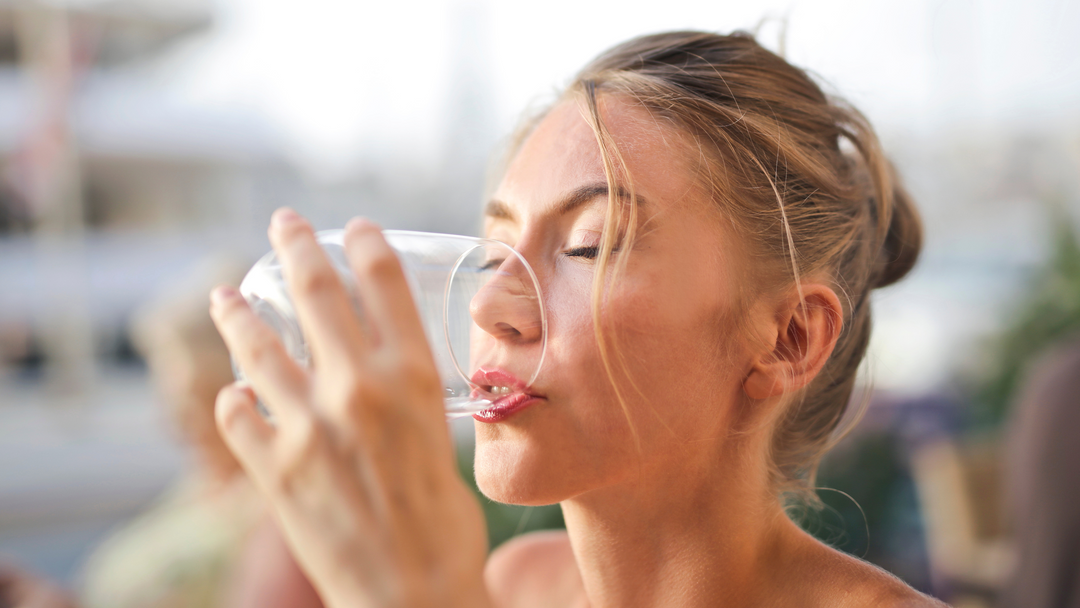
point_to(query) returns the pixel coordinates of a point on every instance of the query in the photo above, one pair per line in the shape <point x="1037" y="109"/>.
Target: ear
<point x="801" y="334"/>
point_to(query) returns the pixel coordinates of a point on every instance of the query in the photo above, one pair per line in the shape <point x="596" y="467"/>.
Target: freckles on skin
<point x="664" y="313"/>
<point x="673" y="322"/>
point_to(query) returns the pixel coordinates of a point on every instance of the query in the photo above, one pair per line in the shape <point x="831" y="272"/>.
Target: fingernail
<point x="285" y="216"/>
<point x="223" y="294"/>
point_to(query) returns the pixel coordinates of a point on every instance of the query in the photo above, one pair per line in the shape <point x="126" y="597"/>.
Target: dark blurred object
<point x="20" y="589"/>
<point x="1043" y="482"/>
<point x="20" y="351"/>
<point x="14" y="212"/>
<point x="1049" y="310"/>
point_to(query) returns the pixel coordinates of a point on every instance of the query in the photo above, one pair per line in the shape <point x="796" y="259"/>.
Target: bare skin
<point x="538" y="570"/>
<point x="666" y="493"/>
<point x="689" y="520"/>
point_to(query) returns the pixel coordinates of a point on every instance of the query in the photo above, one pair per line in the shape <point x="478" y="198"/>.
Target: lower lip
<point x="505" y="407"/>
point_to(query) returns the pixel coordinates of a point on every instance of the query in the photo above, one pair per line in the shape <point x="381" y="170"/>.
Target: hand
<point x="359" y="466"/>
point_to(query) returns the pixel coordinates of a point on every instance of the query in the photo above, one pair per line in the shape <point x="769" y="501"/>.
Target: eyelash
<point x="589" y="253"/>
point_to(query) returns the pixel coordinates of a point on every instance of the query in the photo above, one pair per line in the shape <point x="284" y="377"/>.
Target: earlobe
<point x="762" y="383"/>
<point x="804" y="331"/>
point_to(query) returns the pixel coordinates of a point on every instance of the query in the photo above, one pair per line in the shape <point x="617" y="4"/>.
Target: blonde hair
<point x="775" y="162"/>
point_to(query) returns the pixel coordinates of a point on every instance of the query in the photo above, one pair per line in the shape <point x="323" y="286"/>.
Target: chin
<point x="511" y="473"/>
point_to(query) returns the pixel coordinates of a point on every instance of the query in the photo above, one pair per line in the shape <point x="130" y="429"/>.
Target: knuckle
<point x="420" y="372"/>
<point x="316" y="281"/>
<point x="379" y="264"/>
<point x="298" y="449"/>
<point x="261" y="347"/>
<point x="349" y="399"/>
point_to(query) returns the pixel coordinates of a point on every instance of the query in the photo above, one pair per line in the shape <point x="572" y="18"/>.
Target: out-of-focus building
<point x="100" y="164"/>
<point x="110" y="186"/>
<point x="112" y="180"/>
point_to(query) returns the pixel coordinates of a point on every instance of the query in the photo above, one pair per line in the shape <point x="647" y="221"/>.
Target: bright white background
<point x="342" y="79"/>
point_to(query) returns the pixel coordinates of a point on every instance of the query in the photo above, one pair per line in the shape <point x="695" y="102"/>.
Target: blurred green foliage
<point x="870" y="509"/>
<point x="1047" y="312"/>
<point x="505" y="521"/>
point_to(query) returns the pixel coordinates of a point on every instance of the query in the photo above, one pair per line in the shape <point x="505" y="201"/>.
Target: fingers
<point x="382" y="285"/>
<point x="279" y="380"/>
<point x="248" y="436"/>
<point x="322" y="304"/>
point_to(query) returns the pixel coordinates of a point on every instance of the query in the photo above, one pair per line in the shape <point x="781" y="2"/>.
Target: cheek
<point x="583" y="379"/>
<point x="661" y="317"/>
<point x="675" y="341"/>
<point x="572" y="346"/>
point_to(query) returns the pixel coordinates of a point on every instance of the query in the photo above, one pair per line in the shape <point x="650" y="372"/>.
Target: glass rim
<point x="478" y="243"/>
<point x="474" y="242"/>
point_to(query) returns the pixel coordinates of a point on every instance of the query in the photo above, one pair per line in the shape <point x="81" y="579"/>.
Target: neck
<point x="680" y="537"/>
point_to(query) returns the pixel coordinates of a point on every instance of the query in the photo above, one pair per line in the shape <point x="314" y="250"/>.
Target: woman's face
<point x="670" y="315"/>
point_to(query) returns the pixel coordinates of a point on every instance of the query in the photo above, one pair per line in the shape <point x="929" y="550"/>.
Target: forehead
<point x="562" y="154"/>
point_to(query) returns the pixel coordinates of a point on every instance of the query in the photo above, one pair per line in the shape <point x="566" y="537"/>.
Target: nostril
<point x="506" y="330"/>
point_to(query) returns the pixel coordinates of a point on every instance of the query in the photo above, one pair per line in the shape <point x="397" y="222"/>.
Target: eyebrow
<point x="497" y="209"/>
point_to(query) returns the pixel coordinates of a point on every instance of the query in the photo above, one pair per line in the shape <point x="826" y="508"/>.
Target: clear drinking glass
<point x="447" y="274"/>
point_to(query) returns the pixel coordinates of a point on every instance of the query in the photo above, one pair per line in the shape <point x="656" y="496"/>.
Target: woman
<point x="706" y="244"/>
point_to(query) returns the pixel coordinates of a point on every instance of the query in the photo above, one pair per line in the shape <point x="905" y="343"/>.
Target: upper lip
<point x="490" y="378"/>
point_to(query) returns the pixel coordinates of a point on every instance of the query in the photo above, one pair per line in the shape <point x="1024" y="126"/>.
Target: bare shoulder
<point x="869" y="585"/>
<point x="906" y="598"/>
<point x="897" y="594"/>
<point x="534" y="570"/>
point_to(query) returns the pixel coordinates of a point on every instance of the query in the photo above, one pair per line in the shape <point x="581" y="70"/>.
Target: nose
<point x="507" y="307"/>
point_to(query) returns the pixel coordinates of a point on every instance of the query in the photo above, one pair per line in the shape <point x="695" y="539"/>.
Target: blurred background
<point x="144" y="144"/>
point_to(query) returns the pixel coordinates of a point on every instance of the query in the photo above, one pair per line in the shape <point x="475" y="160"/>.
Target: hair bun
<point x="903" y="241"/>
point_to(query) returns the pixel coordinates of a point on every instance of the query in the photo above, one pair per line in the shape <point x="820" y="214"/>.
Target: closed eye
<point x="589" y="253"/>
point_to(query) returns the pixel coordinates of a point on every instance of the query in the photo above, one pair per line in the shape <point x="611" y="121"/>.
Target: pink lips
<point x="506" y="405"/>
